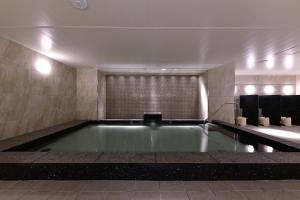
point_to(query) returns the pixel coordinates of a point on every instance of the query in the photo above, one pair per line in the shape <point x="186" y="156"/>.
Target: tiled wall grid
<point x="128" y="97"/>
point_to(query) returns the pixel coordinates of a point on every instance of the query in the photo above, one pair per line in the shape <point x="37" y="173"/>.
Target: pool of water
<point x="153" y="138"/>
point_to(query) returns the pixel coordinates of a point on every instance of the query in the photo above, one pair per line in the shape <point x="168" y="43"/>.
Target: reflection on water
<point x="152" y="138"/>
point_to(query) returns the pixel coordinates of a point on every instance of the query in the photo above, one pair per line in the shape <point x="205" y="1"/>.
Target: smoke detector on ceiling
<point x="79" y="4"/>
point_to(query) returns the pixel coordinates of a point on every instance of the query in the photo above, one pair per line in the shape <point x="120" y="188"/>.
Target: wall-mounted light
<point x="46" y="42"/>
<point x="250" y="89"/>
<point x="289" y="62"/>
<point x="250" y="148"/>
<point x="251" y="62"/>
<point x="269" y="89"/>
<point x="288" y="90"/>
<point x="43" y="66"/>
<point x="269" y="149"/>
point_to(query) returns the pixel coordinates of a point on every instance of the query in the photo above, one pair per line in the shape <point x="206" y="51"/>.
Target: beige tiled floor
<point x="148" y="190"/>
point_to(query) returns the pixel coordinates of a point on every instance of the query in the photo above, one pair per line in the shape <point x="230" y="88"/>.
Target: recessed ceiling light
<point x="163" y="69"/>
<point x="79" y="4"/>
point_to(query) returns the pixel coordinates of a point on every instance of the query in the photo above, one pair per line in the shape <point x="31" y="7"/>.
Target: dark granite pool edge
<point x="164" y="166"/>
<point x="141" y="171"/>
<point x="31" y="139"/>
<point x="159" y="166"/>
<point x="276" y="142"/>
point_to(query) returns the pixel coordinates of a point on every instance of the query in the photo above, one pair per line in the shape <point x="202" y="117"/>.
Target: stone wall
<point x="128" y="97"/>
<point x="87" y="94"/>
<point x="221" y="82"/>
<point x="29" y="100"/>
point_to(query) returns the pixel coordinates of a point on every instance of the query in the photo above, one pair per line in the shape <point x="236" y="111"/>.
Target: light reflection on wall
<point x="203" y="101"/>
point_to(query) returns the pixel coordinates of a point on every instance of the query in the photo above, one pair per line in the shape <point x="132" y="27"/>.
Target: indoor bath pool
<point x="151" y="138"/>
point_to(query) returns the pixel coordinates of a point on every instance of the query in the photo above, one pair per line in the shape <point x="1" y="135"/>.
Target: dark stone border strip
<point x="34" y="138"/>
<point x="148" y="166"/>
<point x="276" y="142"/>
<point x="135" y="171"/>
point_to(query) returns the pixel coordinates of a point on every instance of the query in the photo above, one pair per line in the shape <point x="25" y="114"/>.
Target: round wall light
<point x="250" y="148"/>
<point x="288" y="90"/>
<point x="43" y="66"/>
<point x="269" y="149"/>
<point x="269" y="89"/>
<point x="250" y="89"/>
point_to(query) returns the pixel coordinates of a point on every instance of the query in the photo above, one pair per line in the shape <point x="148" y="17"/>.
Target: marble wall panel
<point x="87" y="94"/>
<point x="221" y="82"/>
<point x="30" y="100"/>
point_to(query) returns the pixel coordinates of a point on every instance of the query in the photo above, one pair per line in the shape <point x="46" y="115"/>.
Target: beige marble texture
<point x="29" y="100"/>
<point x="130" y="96"/>
<point x="87" y="94"/>
<point x="265" y="79"/>
<point x="221" y="82"/>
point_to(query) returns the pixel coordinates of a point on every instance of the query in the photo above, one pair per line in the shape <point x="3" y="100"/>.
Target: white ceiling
<point x="146" y="36"/>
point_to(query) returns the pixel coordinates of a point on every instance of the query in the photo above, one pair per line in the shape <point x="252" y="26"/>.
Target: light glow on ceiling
<point x="288" y="90"/>
<point x="269" y="89"/>
<point x="289" y="62"/>
<point x="270" y="61"/>
<point x="43" y="66"/>
<point x="251" y="62"/>
<point x="250" y="89"/>
<point x="46" y="42"/>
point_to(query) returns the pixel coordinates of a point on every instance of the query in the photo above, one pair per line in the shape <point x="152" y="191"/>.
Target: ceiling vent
<point x="79" y="4"/>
